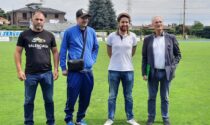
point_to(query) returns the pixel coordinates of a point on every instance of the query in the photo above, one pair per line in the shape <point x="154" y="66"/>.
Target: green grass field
<point x="189" y="94"/>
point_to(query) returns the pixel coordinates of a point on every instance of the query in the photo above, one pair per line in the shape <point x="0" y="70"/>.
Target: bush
<point x="12" y="27"/>
<point x="206" y="32"/>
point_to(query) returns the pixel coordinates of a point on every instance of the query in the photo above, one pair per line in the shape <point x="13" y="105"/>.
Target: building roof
<point x="4" y="21"/>
<point x="2" y="18"/>
<point x="43" y="9"/>
<point x="31" y="4"/>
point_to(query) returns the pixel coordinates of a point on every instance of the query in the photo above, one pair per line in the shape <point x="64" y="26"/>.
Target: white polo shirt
<point x="121" y="59"/>
<point x="159" y="52"/>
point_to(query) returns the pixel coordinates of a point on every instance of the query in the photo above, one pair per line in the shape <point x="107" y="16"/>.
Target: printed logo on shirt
<point x="38" y="43"/>
<point x="38" y="40"/>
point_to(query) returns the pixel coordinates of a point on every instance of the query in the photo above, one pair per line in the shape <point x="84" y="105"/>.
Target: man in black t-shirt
<point x="37" y="43"/>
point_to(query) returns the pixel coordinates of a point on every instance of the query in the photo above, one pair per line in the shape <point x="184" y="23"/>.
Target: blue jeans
<point x="79" y="84"/>
<point x="46" y="83"/>
<point x="114" y="78"/>
<point x="153" y="83"/>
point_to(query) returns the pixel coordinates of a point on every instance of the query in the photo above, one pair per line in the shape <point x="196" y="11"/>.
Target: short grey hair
<point x="153" y="18"/>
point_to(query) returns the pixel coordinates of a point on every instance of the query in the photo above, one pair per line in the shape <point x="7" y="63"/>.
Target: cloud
<point x="141" y="10"/>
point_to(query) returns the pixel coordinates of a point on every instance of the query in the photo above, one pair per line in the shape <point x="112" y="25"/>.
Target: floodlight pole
<point x="129" y="6"/>
<point x="184" y="16"/>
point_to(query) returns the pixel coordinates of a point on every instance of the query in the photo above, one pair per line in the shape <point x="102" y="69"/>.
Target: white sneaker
<point x="132" y="122"/>
<point x="109" y="122"/>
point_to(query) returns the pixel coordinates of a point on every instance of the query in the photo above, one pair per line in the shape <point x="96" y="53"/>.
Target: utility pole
<point x="184" y="15"/>
<point x="129" y="6"/>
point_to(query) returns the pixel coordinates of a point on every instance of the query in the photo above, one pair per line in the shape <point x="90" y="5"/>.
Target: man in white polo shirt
<point x="121" y="46"/>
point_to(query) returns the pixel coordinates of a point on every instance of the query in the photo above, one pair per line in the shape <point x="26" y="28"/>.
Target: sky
<point x="141" y="11"/>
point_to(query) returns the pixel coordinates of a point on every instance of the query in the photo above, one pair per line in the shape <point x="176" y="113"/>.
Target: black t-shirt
<point x="37" y="47"/>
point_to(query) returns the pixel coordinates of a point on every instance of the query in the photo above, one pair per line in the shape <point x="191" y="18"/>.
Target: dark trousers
<point x="159" y="77"/>
<point x="46" y="83"/>
<point x="78" y="84"/>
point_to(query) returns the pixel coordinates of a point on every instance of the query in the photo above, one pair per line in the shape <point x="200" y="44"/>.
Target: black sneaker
<point x="82" y="122"/>
<point x="166" y="122"/>
<point x="149" y="122"/>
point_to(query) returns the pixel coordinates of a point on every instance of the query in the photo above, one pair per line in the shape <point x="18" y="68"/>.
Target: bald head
<point x="157" y="23"/>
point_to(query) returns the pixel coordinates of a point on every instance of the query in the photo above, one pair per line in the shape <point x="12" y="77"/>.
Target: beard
<point x="38" y="27"/>
<point x="124" y="28"/>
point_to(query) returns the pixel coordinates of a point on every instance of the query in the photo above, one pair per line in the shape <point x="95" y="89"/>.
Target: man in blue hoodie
<point x="80" y="42"/>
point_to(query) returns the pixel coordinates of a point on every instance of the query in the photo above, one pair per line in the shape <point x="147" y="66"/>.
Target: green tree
<point x="3" y="14"/>
<point x="111" y="15"/>
<point x="103" y="15"/>
<point x="179" y="29"/>
<point x="197" y="28"/>
<point x="206" y="32"/>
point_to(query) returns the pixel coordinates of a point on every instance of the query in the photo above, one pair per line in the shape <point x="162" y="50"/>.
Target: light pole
<point x="184" y="15"/>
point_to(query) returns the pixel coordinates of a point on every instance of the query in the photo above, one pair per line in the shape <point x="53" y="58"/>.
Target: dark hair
<point x="121" y="15"/>
<point x="38" y="11"/>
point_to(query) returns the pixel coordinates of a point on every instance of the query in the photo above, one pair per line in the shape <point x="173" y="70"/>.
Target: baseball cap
<point x="82" y="13"/>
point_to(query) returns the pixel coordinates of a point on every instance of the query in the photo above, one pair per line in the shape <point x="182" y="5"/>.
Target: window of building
<point x="56" y="15"/>
<point x="25" y="16"/>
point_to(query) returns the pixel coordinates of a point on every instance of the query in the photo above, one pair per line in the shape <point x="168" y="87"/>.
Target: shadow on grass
<point x="117" y="122"/>
<point x="158" y="123"/>
<point x="98" y="122"/>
